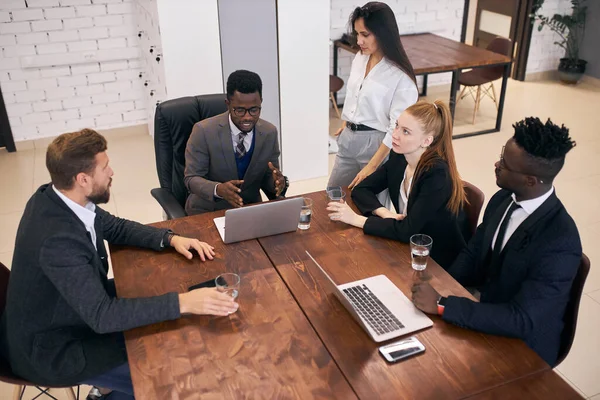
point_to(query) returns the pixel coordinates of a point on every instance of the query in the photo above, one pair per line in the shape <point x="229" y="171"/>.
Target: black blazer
<point x="527" y="297"/>
<point x="426" y="211"/>
<point x="60" y="324"/>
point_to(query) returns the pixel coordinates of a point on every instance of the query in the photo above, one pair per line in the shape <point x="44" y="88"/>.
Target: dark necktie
<point x="240" y="150"/>
<point x="501" y="234"/>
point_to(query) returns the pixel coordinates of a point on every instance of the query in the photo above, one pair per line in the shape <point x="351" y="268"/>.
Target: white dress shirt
<point x="235" y="132"/>
<point x="377" y="100"/>
<point x="520" y="214"/>
<point x="403" y="196"/>
<point x="86" y="214"/>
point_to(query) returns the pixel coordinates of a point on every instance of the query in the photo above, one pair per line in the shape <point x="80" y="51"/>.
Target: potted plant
<point x="570" y="28"/>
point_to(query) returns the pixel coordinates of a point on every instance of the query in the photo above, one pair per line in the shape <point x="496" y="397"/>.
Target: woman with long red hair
<point x="423" y="183"/>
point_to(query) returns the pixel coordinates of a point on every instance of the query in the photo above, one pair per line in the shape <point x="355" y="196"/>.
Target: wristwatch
<point x="285" y="188"/>
<point x="166" y="241"/>
<point x="441" y="304"/>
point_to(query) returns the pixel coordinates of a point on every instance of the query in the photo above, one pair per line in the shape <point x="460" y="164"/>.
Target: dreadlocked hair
<point x="546" y="144"/>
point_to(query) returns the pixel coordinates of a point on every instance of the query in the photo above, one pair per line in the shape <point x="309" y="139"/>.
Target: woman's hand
<point x="366" y="171"/>
<point x="342" y="212"/>
<point x="383" y="212"/>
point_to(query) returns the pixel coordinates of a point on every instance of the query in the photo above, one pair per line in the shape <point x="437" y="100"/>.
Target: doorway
<point x="510" y="19"/>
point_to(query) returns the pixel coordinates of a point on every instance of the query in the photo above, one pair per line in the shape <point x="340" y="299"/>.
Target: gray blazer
<point x="210" y="159"/>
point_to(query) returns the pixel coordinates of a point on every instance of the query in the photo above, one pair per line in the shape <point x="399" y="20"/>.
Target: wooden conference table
<point x="431" y="54"/>
<point x="292" y="339"/>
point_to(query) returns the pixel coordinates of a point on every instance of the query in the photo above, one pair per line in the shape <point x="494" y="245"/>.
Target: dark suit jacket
<point x="426" y="209"/>
<point x="210" y="159"/>
<point x="527" y="297"/>
<point x="61" y="326"/>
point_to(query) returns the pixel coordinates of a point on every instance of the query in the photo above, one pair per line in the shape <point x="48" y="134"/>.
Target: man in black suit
<point x="525" y="254"/>
<point x="63" y="323"/>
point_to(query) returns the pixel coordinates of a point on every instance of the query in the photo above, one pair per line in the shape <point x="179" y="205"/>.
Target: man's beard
<point x="100" y="196"/>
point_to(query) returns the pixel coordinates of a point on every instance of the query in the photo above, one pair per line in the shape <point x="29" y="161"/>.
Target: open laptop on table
<point x="378" y="306"/>
<point x="264" y="219"/>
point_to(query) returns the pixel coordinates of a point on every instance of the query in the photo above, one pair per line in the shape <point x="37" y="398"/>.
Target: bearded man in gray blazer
<point x="230" y="157"/>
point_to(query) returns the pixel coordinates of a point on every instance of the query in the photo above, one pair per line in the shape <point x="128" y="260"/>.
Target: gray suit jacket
<point x="210" y="159"/>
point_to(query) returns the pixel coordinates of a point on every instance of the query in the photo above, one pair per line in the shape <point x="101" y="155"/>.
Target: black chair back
<point x="173" y="125"/>
<point x="570" y="318"/>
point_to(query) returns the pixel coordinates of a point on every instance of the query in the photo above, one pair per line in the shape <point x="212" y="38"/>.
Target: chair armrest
<point x="169" y="203"/>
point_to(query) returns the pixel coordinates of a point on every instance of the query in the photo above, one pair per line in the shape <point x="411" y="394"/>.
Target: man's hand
<point x="383" y="212"/>
<point x="207" y="301"/>
<point x="278" y="179"/>
<point x="338" y="132"/>
<point x="183" y="246"/>
<point x="366" y="171"/>
<point x="342" y="212"/>
<point x="230" y="191"/>
<point x="425" y="297"/>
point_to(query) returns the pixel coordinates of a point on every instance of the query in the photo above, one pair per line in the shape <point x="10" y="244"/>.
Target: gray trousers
<point x="355" y="150"/>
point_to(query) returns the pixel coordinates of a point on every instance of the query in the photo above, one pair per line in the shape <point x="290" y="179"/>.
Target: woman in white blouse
<point x="381" y="86"/>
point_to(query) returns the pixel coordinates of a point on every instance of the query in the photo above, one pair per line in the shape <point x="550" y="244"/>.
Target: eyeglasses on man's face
<point x="241" y="111"/>
<point x="502" y="165"/>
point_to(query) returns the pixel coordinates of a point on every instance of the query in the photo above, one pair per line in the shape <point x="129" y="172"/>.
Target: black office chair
<point x="570" y="318"/>
<point x="173" y="125"/>
<point x="6" y="374"/>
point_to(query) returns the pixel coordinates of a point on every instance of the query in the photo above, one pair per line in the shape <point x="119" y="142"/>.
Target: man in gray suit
<point x="230" y="157"/>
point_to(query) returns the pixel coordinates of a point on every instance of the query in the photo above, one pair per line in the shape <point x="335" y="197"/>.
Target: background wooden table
<point x="431" y="54"/>
<point x="266" y="350"/>
<point x="457" y="362"/>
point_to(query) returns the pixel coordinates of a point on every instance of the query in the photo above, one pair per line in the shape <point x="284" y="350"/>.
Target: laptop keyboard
<point x="372" y="310"/>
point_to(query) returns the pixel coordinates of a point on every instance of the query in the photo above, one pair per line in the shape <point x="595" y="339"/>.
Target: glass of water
<point x="420" y="246"/>
<point x="305" y="214"/>
<point x="228" y="283"/>
<point x="336" y="195"/>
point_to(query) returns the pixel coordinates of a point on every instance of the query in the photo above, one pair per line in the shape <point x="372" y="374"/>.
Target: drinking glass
<point x="420" y="246"/>
<point x="305" y="214"/>
<point x="228" y="283"/>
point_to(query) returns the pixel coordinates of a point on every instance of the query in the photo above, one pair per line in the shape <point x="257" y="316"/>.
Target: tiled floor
<point x="578" y="186"/>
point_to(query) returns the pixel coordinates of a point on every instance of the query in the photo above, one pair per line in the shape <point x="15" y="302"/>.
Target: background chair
<point x="570" y="318"/>
<point x="173" y="125"/>
<point x="479" y="77"/>
<point x="475" y="199"/>
<point x="6" y="374"/>
<point x="335" y="84"/>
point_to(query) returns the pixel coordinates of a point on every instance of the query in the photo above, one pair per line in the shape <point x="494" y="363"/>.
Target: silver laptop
<point x="378" y="306"/>
<point x="264" y="219"/>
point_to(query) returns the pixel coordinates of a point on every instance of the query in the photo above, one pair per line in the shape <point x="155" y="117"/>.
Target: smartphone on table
<point x="402" y="349"/>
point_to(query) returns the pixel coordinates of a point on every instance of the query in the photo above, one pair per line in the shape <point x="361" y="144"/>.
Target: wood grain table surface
<point x="266" y="350"/>
<point x="457" y="362"/>
<point x="429" y="53"/>
<point x="542" y="386"/>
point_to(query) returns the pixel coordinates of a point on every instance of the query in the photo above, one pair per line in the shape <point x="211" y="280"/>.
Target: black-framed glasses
<point x="503" y="166"/>
<point x="241" y="111"/>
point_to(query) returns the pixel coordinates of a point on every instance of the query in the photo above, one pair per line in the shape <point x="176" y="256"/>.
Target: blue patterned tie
<point x="240" y="150"/>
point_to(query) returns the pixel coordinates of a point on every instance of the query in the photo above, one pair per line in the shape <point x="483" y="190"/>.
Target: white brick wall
<point x="544" y="55"/>
<point x="442" y="17"/>
<point x="49" y="101"/>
